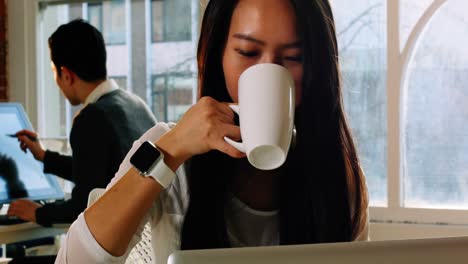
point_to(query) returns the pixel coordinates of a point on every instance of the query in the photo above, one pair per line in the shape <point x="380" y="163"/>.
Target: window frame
<point x="164" y="31"/>
<point x="398" y="59"/>
<point x="102" y="24"/>
<point x="166" y="78"/>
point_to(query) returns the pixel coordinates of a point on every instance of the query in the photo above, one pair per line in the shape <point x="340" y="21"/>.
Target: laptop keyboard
<point x="10" y="220"/>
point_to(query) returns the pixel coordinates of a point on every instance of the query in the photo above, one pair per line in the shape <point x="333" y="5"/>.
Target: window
<point x="109" y="18"/>
<point x="172" y="57"/>
<point x="362" y="47"/>
<point x="55" y="112"/>
<point x="95" y="15"/>
<point x="172" y="95"/>
<point x="435" y="113"/>
<point x="121" y="81"/>
<point x="164" y="25"/>
<point x="163" y="73"/>
<point x="404" y="71"/>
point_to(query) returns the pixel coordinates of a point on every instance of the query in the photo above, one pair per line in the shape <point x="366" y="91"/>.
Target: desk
<point x="28" y="231"/>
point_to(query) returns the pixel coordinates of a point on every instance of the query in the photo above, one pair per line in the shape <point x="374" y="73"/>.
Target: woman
<point x="318" y="195"/>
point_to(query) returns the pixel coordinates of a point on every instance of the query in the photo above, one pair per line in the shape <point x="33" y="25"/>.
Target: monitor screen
<point x="21" y="176"/>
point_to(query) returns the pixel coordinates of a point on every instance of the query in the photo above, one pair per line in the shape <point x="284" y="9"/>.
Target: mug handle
<point x="238" y="145"/>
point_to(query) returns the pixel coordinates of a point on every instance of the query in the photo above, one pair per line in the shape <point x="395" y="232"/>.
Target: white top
<point x="103" y="88"/>
<point x="249" y="227"/>
<point x="166" y="219"/>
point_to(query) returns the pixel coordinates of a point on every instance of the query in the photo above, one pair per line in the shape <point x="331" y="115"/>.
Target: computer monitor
<point x="21" y="176"/>
<point x="428" y="251"/>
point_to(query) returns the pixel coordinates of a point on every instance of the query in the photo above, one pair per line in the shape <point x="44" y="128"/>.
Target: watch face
<point x="145" y="156"/>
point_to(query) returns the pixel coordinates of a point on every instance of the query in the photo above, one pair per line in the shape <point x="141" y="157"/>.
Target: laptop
<point x="428" y="251"/>
<point x="21" y="176"/>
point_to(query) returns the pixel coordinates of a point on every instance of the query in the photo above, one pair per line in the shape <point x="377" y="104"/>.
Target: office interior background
<point x="405" y="84"/>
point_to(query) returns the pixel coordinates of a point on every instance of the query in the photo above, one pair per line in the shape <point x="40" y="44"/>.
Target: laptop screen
<point x="21" y="176"/>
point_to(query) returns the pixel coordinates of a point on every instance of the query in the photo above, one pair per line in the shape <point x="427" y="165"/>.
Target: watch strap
<point x="162" y="173"/>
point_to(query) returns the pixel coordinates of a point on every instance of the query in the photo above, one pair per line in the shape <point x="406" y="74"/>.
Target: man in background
<point x="102" y="132"/>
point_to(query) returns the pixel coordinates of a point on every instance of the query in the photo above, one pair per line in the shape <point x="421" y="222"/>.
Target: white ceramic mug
<point x="266" y="115"/>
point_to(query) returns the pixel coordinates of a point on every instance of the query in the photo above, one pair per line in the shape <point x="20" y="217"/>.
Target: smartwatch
<point x="149" y="161"/>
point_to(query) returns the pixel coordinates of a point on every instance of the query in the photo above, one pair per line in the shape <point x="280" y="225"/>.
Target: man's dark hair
<point x="80" y="47"/>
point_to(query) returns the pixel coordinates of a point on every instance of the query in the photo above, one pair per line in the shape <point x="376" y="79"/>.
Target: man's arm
<point x="54" y="163"/>
<point x="92" y="151"/>
<point x="58" y="212"/>
<point x="57" y="164"/>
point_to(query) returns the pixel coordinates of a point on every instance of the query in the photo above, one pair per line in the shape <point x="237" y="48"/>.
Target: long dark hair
<point x="322" y="191"/>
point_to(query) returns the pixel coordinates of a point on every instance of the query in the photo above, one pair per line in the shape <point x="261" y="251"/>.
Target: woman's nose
<point x="270" y="58"/>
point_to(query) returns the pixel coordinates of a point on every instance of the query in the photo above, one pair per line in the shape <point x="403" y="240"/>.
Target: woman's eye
<point x="297" y="58"/>
<point x="247" y="53"/>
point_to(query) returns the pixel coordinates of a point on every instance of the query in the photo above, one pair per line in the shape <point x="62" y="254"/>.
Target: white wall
<point x="22" y="68"/>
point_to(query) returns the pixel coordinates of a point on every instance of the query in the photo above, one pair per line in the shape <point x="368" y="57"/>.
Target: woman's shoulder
<point x="155" y="132"/>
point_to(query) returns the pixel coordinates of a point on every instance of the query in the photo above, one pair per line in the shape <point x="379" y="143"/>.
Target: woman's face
<point x="262" y="31"/>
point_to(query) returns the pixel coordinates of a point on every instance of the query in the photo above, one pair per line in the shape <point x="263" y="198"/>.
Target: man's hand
<point x="24" y="209"/>
<point x="30" y="140"/>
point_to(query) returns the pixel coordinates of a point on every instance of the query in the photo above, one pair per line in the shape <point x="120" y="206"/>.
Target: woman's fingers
<point x="232" y="132"/>
<point x="224" y="147"/>
<point x="223" y="111"/>
<point x="227" y="112"/>
<point x="203" y="128"/>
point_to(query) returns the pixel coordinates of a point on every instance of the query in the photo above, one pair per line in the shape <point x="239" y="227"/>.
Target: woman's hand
<point x="201" y="129"/>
